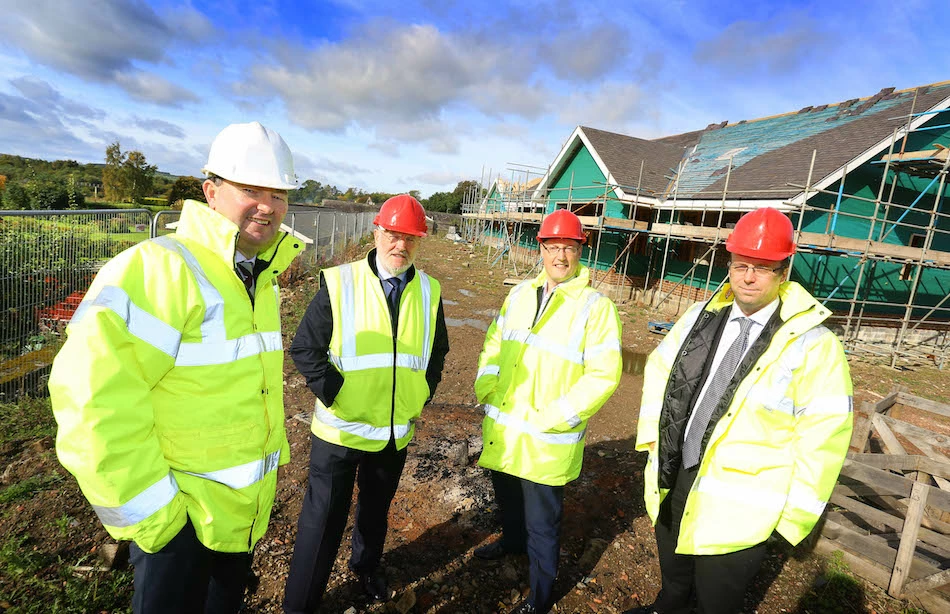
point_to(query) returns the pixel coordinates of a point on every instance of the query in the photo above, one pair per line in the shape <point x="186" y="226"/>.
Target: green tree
<point x="183" y="189"/>
<point x="47" y="195"/>
<point x="113" y="179"/>
<point x="352" y="195"/>
<point x="16" y="197"/>
<point x="465" y="190"/>
<point x="451" y="202"/>
<point x="439" y="201"/>
<point x="308" y="192"/>
<point x="139" y="176"/>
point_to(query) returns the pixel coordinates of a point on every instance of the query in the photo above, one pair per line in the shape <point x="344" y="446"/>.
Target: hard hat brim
<point x="258" y="183"/>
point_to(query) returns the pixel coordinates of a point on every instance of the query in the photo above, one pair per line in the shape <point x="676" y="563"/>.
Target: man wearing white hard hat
<point x="168" y="392"/>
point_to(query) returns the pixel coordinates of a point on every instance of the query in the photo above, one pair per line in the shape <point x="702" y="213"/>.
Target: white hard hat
<point x="253" y="155"/>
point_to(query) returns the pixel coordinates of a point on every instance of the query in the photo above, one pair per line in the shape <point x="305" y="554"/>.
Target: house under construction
<point x="863" y="181"/>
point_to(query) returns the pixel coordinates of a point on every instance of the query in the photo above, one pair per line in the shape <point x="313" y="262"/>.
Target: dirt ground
<point x="444" y="507"/>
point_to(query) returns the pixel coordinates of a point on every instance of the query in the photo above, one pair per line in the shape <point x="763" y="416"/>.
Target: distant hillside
<point x="88" y="177"/>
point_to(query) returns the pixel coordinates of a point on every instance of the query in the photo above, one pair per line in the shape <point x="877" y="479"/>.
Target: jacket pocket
<point x="209" y="449"/>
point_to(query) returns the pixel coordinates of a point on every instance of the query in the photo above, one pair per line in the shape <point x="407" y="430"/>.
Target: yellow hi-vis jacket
<point x="773" y="458"/>
<point x="384" y="377"/>
<point x="168" y="392"/>
<point x="541" y="381"/>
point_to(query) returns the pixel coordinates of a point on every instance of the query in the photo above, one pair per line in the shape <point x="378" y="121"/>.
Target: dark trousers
<point x="333" y="470"/>
<point x="187" y="577"/>
<point x="717" y="583"/>
<point x="531" y="522"/>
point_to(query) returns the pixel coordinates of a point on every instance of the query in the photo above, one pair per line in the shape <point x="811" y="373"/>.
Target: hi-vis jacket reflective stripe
<point x="168" y="392"/>
<point x="773" y="458"/>
<point x="541" y="382"/>
<point x="366" y="411"/>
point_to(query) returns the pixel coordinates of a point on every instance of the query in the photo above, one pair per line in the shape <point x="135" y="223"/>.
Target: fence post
<point x="316" y="237"/>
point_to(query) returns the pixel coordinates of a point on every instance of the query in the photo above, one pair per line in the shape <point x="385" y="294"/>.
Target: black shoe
<point x="525" y="607"/>
<point x="374" y="585"/>
<point x="644" y="609"/>
<point x="492" y="552"/>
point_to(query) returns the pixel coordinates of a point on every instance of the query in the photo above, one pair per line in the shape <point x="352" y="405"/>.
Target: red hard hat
<point x="402" y="213"/>
<point x="765" y="233"/>
<point x="562" y="224"/>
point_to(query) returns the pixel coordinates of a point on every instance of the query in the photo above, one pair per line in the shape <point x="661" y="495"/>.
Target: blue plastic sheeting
<point x="704" y="167"/>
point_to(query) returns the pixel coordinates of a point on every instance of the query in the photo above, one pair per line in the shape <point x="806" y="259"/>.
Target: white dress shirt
<point x="729" y="334"/>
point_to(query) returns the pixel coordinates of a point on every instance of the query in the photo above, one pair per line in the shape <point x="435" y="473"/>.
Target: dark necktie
<point x="393" y="294"/>
<point x="717" y="386"/>
<point x="245" y="271"/>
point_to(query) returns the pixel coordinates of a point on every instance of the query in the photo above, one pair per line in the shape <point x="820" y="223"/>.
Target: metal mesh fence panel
<point x="165" y="223"/>
<point x="47" y="261"/>
<point x="49" y="258"/>
<point x="327" y="233"/>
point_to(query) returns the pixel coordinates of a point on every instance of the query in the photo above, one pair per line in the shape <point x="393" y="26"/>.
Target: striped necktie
<point x="245" y="271"/>
<point x="717" y="386"/>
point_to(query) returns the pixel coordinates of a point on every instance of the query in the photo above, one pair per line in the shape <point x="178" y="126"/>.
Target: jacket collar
<point x="218" y="234"/>
<point x="796" y="303"/>
<point x="572" y="287"/>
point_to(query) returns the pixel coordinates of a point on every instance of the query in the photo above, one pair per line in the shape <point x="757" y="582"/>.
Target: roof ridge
<point x="849" y="103"/>
<point x="631" y="137"/>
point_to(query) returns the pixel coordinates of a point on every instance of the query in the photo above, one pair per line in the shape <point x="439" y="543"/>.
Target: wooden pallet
<point x="889" y="514"/>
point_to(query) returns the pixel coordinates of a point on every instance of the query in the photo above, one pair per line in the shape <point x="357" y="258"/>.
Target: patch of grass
<point x="26" y="488"/>
<point x="33" y="582"/>
<point x="62" y="524"/>
<point x="836" y="591"/>
<point x="26" y="419"/>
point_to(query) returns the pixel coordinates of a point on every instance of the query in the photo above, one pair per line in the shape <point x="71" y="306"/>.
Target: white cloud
<point x="776" y="46"/>
<point x="104" y="42"/>
<point x="439" y="178"/>
<point x="34" y="130"/>
<point x="42" y="93"/>
<point x="586" y="53"/>
<point x="149" y="87"/>
<point x="389" y="148"/>
<point x="159" y="126"/>
<point x="613" y="106"/>
<point x="398" y="80"/>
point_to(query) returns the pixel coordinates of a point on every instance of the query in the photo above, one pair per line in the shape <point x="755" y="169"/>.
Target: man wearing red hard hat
<point x="371" y="346"/>
<point x="746" y="415"/>
<point x="551" y="359"/>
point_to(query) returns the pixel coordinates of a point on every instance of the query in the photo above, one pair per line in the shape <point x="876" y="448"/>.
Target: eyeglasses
<point x="568" y="250"/>
<point x="396" y="237"/>
<point x="758" y="271"/>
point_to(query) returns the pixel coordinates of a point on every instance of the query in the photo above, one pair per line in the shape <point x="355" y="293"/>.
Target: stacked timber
<point x="889" y="514"/>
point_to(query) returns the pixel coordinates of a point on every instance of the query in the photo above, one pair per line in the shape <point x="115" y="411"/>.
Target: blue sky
<point x="395" y="96"/>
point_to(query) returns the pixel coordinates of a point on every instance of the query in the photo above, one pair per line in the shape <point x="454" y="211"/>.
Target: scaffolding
<point x="903" y="332"/>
